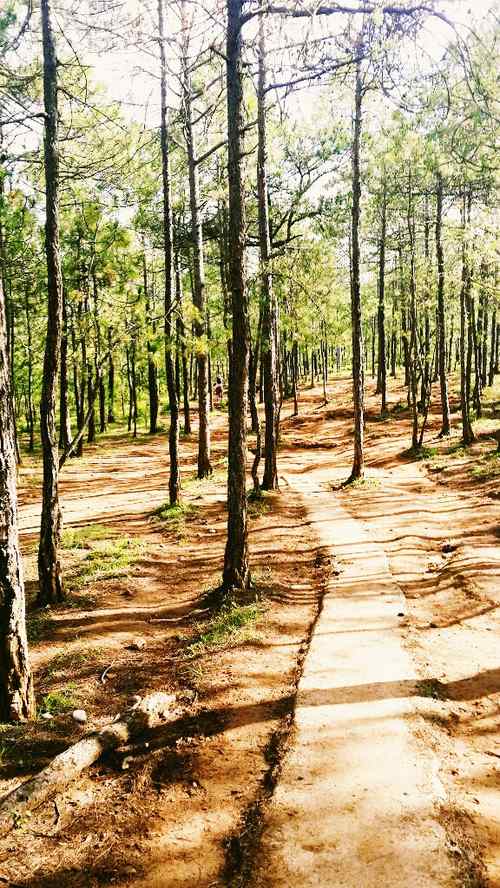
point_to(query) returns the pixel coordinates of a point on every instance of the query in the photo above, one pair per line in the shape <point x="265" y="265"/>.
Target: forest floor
<point x="341" y="728"/>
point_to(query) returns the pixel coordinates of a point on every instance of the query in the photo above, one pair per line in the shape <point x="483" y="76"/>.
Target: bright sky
<point x="124" y="73"/>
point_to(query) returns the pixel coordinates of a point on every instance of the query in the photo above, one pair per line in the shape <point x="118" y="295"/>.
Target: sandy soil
<point x="201" y="805"/>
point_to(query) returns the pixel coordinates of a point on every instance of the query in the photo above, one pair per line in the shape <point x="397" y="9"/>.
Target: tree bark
<point x="30" y="410"/>
<point x="49" y="565"/>
<point x="357" y="331"/>
<point x="90" y="405"/>
<point x="382" y="364"/>
<point x="269" y="305"/>
<point x="236" y="575"/>
<point x="443" y="382"/>
<point x="111" y="378"/>
<point x="413" y="353"/>
<point x="182" y="340"/>
<point x="199" y="296"/>
<point x="64" y="415"/>
<point x="17" y="700"/>
<point x="152" y="371"/>
<point x="493" y="348"/>
<point x="174" y="483"/>
<point x="465" y="339"/>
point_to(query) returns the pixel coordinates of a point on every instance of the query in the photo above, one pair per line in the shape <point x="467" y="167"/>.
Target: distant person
<point x="218" y="391"/>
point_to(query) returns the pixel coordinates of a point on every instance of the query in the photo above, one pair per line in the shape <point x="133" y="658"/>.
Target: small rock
<point x="46" y="715"/>
<point x="138" y="645"/>
<point x="400" y="614"/>
<point x="79" y="715"/>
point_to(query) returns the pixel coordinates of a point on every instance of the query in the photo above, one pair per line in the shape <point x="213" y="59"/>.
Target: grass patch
<point x="423" y="452"/>
<point x="175" y="517"/>
<point x="81" y="537"/>
<point x="488" y="468"/>
<point x="107" y="561"/>
<point x="258" y="503"/>
<point x="399" y="407"/>
<point x="70" y="661"/>
<point x="364" y="483"/>
<point x="38" y="626"/>
<point x="431" y="687"/>
<point x="436" y="467"/>
<point x="458" y="450"/>
<point x="57" y="702"/>
<point x="231" y="627"/>
<point x="219" y="473"/>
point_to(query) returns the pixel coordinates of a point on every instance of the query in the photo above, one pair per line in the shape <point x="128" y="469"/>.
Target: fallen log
<point x="65" y="767"/>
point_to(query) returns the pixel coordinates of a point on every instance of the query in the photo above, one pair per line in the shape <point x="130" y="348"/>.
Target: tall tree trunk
<point x="475" y="327"/>
<point x="111" y="378"/>
<point x="357" y="331"/>
<point x="174" y="483"/>
<point x="493" y="347"/>
<point x="9" y="307"/>
<point x="253" y="363"/>
<point x="236" y="575"/>
<point x="133" y="379"/>
<point x="49" y="565"/>
<point x="152" y="371"/>
<point x="90" y="405"/>
<point x="64" y="415"/>
<point x="199" y="295"/>
<point x="465" y="339"/>
<point x="102" y="404"/>
<point x="130" y="396"/>
<point x="394" y="338"/>
<point x="424" y="336"/>
<point x="82" y="314"/>
<point x="441" y="331"/>
<point x="30" y="410"/>
<point x="484" y="327"/>
<point x="382" y="362"/>
<point x="97" y="358"/>
<point x="295" y="375"/>
<point x="182" y="340"/>
<point x="413" y="352"/>
<point x="268" y="297"/>
<point x="373" y="341"/>
<point x="17" y="699"/>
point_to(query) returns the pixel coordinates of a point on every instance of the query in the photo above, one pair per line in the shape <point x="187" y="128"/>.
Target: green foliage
<point x="175" y="517"/>
<point x="488" y="468"/>
<point x="81" y="537"/>
<point x="38" y="625"/>
<point x="70" y="661"/>
<point x="431" y="687"/>
<point x="364" y="484"/>
<point x="233" y="626"/>
<point x="60" y="701"/>
<point x="424" y="452"/>
<point x="106" y="561"/>
<point x="258" y="503"/>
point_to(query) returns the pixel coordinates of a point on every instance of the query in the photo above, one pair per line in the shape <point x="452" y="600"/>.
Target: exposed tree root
<point x="66" y="766"/>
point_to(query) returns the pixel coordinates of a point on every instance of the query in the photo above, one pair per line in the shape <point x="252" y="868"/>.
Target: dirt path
<point x="374" y="759"/>
<point x="375" y="789"/>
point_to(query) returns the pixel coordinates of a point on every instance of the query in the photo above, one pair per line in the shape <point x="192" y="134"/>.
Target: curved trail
<point x="357" y="800"/>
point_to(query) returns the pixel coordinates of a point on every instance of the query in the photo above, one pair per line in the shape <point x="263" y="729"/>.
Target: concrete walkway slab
<point x="357" y="801"/>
